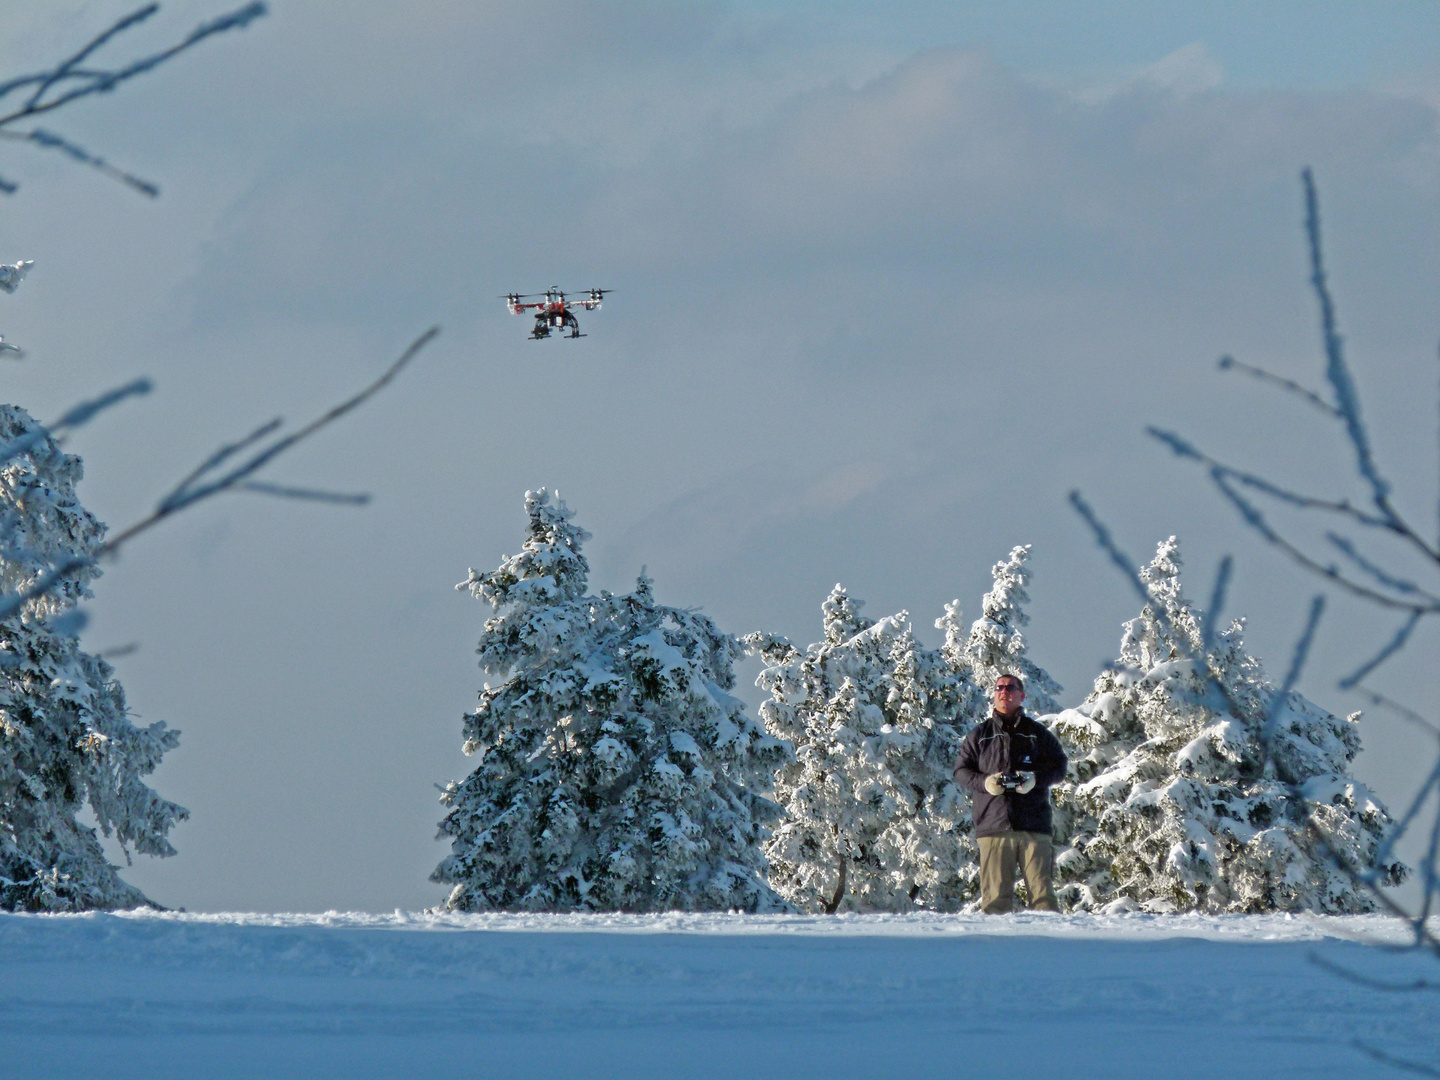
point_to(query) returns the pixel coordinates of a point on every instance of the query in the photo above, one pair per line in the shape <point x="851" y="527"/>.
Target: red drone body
<point x="553" y="311"/>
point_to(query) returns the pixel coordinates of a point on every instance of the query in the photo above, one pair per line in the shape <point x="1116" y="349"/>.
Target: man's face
<point x="1009" y="696"/>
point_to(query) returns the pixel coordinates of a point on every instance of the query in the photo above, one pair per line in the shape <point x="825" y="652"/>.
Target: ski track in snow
<point x="174" y="995"/>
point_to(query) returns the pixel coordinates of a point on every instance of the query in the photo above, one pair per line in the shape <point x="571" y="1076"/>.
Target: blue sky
<point x="888" y="287"/>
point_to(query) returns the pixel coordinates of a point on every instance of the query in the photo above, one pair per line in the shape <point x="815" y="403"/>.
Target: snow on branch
<point x="1372" y="874"/>
<point x="11" y="274"/>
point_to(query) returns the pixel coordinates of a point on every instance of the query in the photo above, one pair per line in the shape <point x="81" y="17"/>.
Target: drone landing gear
<point x="547" y="323"/>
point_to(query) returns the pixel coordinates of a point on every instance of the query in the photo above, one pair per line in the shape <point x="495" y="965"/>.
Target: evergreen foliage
<point x="873" y="818"/>
<point x="996" y="646"/>
<point x="616" y="772"/>
<point x="1169" y="806"/>
<point x="65" y="740"/>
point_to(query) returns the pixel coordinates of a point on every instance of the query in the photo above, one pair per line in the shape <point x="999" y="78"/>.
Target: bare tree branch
<point x="1394" y="645"/>
<point x="1405" y="586"/>
<point x="77" y="416"/>
<point x="1418" y="1067"/>
<point x="237" y="479"/>
<point x="1297" y="665"/>
<point x="1366" y="980"/>
<point x="1252" y="516"/>
<point x="1306" y="395"/>
<point x="68" y="81"/>
<point x="1217" y="603"/>
<point x="1347" y="401"/>
<point x="219" y="457"/>
<point x="1182" y="448"/>
<point x="64" y="69"/>
<point x="188" y="494"/>
<point x="49" y="140"/>
<point x="311" y="494"/>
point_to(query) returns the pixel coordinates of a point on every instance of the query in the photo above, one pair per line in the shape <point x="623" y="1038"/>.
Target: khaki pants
<point x="998" y="856"/>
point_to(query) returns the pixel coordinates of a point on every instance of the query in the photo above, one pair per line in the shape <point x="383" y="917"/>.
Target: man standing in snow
<point x="1009" y="762"/>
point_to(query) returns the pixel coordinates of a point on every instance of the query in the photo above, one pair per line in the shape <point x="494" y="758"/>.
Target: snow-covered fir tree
<point x="995" y="646"/>
<point x="616" y="772"/>
<point x="11" y="274"/>
<point x="873" y="818"/>
<point x="1171" y="806"/>
<point x="65" y="740"/>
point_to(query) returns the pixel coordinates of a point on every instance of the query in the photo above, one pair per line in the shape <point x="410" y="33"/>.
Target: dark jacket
<point x="999" y="746"/>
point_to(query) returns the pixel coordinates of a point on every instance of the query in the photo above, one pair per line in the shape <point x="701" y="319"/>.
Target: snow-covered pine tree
<point x="616" y="772"/>
<point x="1170" y="807"/>
<point x="65" y="739"/>
<point x="873" y="818"/>
<point x="996" y="646"/>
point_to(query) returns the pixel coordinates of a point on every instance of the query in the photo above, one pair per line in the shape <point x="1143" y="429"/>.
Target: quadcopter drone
<point x="554" y="312"/>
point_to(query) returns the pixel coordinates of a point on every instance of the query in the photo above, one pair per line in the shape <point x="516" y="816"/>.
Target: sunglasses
<point x="1008" y="688"/>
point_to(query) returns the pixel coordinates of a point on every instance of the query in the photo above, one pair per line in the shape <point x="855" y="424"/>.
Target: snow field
<point x="337" y="995"/>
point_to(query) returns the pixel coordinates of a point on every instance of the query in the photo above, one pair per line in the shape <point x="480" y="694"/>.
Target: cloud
<point x="951" y="151"/>
<point x="949" y="166"/>
<point x="1188" y="70"/>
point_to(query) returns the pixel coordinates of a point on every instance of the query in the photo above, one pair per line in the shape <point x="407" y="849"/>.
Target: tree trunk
<point x="834" y="904"/>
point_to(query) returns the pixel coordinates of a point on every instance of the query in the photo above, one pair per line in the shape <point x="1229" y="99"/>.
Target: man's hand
<point x="1027" y="783"/>
<point x="994" y="787"/>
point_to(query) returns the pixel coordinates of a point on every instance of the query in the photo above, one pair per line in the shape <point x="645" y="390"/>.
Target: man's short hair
<point x="1010" y="675"/>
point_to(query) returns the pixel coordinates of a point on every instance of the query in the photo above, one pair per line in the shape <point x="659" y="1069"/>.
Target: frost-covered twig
<point x="1217" y="603"/>
<point x="77" y="416"/>
<point x="1430" y="869"/>
<point x="1182" y="448"/>
<point x="49" y="140"/>
<point x="1416" y="806"/>
<point x="1256" y="519"/>
<point x="1374" y="583"/>
<point x="1393" y="646"/>
<point x="72" y="79"/>
<point x="191" y="490"/>
<point x="1108" y="545"/>
<point x="1304" y="393"/>
<point x="1373" y="983"/>
<point x="1418" y="1067"/>
<point x="306" y="494"/>
<point x="1297" y="665"/>
<point x="1347" y="400"/>
<point x="1378" y="573"/>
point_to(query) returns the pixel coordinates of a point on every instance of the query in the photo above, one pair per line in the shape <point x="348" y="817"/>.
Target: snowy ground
<point x="183" y="996"/>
